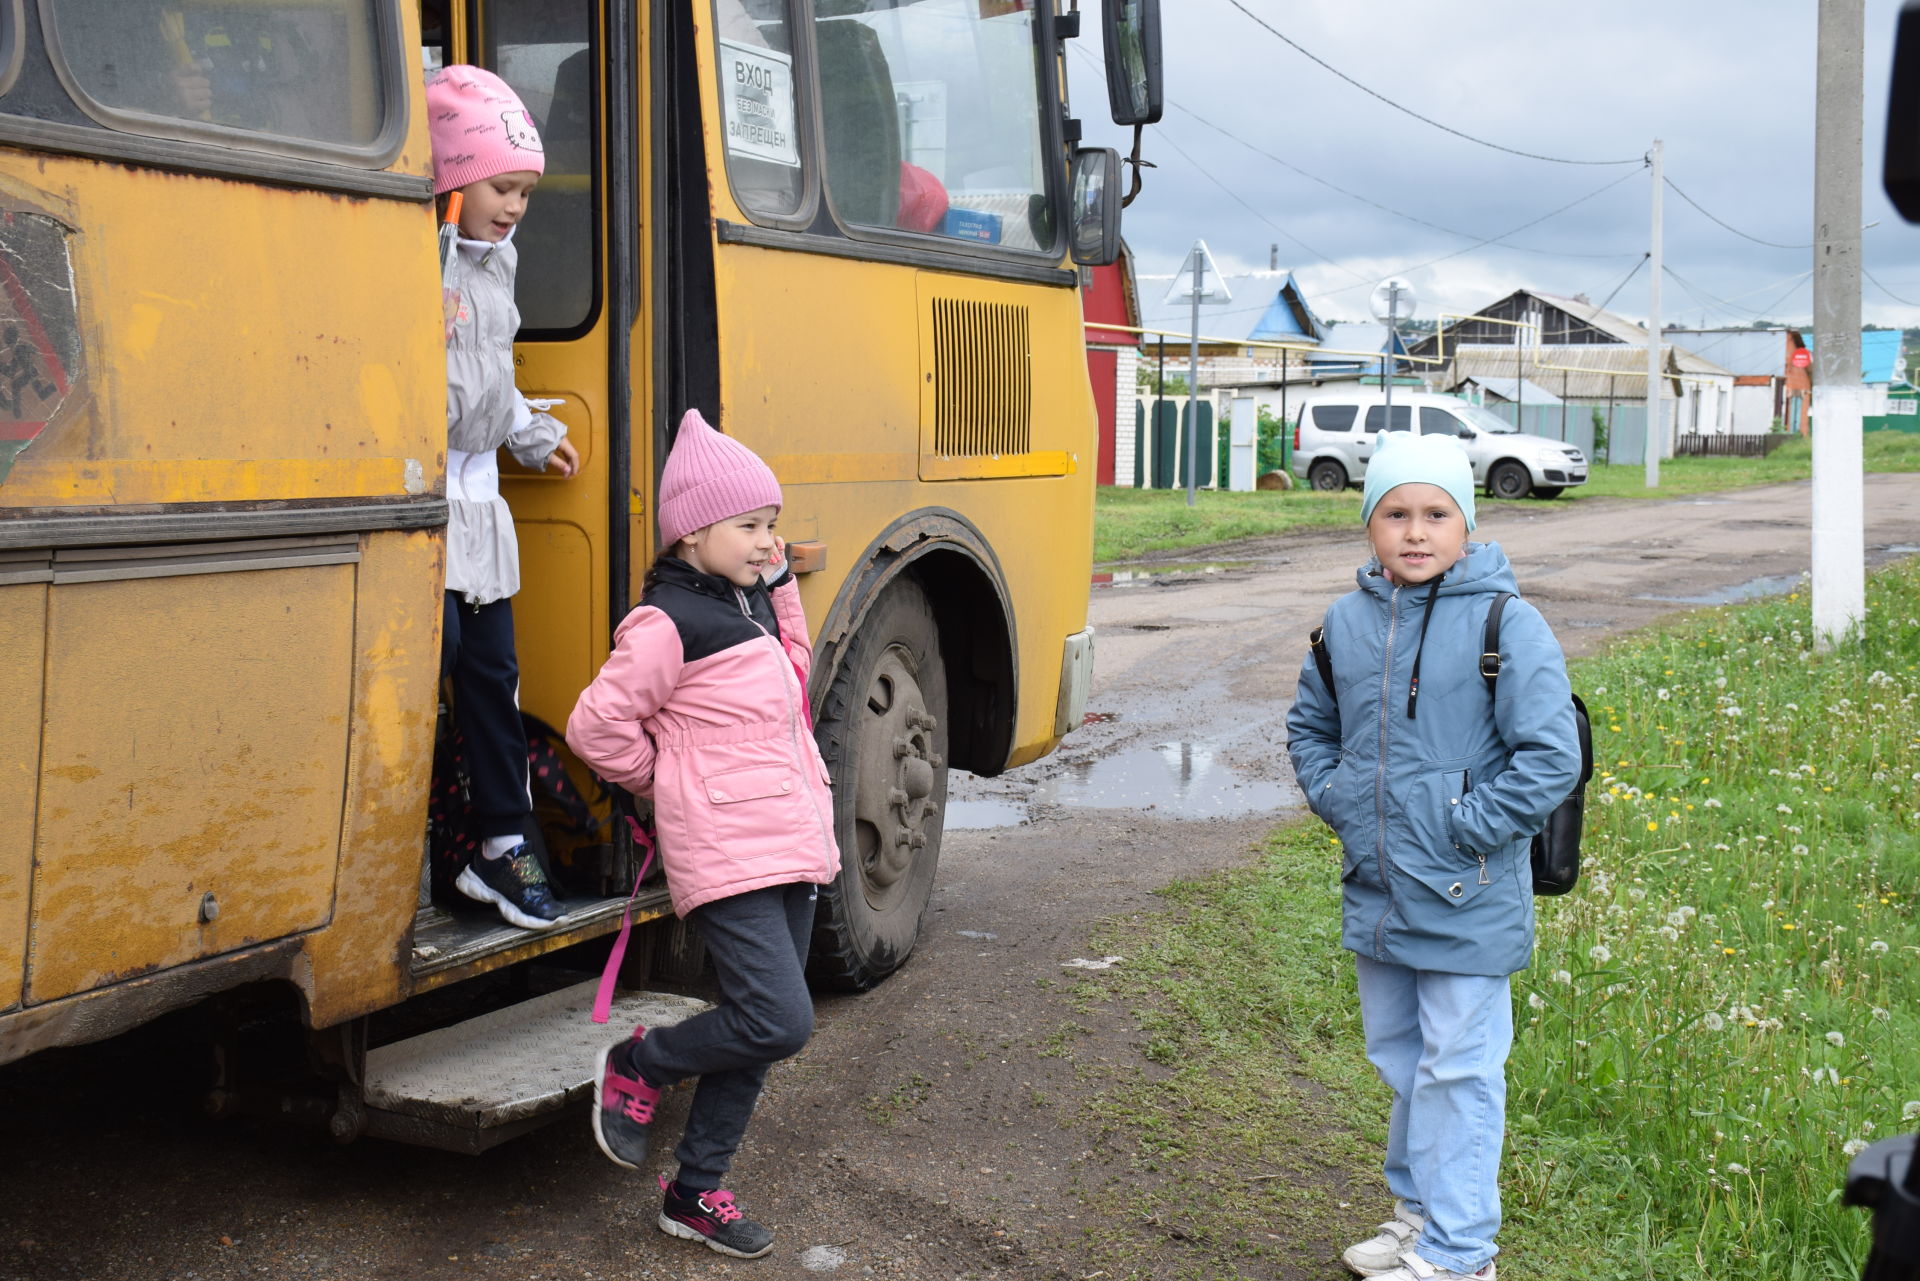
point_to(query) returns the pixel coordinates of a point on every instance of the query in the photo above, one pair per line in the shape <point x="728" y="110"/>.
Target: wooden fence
<point x="1730" y="446"/>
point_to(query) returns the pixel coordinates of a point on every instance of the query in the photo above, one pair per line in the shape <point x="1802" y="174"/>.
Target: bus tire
<point x="883" y="732"/>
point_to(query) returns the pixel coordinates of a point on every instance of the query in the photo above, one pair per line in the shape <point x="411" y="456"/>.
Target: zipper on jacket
<point x="1466" y="785"/>
<point x="1380" y="777"/>
<point x="793" y="712"/>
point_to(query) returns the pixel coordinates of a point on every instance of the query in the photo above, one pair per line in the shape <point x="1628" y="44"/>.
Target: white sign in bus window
<point x="757" y="84"/>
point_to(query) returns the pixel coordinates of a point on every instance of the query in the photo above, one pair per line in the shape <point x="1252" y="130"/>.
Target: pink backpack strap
<point x="603" y="998"/>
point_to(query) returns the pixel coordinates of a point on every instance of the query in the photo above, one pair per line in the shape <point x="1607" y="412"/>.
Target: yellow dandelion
<point x="1789" y="925"/>
<point x="1652" y="826"/>
<point x="1729" y="951"/>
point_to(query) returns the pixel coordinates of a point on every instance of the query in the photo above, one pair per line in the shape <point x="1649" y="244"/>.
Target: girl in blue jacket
<point x="1435" y="788"/>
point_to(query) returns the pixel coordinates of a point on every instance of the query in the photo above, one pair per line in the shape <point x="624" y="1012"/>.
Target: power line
<point x="1771" y="244"/>
<point x="1631" y="273"/>
<point x="1706" y="299"/>
<point x="1514" y="151"/>
<point x="1533" y="222"/>
<point x="1255" y="212"/>
<point x="1365" y="200"/>
<point x="1888" y="292"/>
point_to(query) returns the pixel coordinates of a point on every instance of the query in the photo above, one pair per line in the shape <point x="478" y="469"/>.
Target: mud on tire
<point x="883" y="731"/>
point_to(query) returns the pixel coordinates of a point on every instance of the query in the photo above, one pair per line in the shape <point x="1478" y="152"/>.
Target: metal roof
<point x="1256" y="295"/>
<point x="1744" y="352"/>
<point x="1510" y="389"/>
<point x="1598" y="370"/>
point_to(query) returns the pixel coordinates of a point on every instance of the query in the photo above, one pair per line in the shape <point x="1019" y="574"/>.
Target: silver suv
<point x="1332" y="439"/>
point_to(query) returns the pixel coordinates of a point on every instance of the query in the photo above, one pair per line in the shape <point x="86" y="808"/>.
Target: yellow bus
<point x="847" y="230"/>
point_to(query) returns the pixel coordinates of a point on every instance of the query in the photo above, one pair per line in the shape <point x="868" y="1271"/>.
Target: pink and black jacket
<point x="702" y="706"/>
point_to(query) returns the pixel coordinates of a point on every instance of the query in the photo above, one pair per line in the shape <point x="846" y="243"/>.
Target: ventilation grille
<point x="982" y="379"/>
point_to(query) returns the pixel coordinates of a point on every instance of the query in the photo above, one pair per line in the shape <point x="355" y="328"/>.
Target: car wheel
<point x="883" y="732"/>
<point x="1548" y="491"/>
<point x="1327" y="476"/>
<point x="1509" y="480"/>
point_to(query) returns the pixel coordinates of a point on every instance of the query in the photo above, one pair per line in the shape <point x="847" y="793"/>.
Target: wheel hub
<point x="893" y="802"/>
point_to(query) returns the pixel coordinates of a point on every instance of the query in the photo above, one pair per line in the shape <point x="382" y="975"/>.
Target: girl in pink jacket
<point x="702" y="706"/>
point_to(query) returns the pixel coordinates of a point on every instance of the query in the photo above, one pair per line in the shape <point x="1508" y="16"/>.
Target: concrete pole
<point x="1839" y="486"/>
<point x="1656" y="433"/>
<point x="1193" y="383"/>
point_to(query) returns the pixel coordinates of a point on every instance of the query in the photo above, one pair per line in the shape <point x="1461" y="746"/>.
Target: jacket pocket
<point x="753" y="811"/>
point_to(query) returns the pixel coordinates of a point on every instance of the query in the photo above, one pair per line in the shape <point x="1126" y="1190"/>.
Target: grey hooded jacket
<point x="485" y="410"/>
<point x="1436" y="810"/>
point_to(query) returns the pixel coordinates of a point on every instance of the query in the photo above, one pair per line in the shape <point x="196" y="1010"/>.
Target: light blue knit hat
<point x="1402" y="458"/>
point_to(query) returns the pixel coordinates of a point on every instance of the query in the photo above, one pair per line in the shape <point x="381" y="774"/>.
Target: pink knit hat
<point x="709" y="477"/>
<point x="479" y="128"/>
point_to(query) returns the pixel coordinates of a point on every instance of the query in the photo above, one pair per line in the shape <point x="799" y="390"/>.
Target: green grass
<point x="1885" y="451"/>
<point x="1129" y="523"/>
<point x="1725" y="1008"/>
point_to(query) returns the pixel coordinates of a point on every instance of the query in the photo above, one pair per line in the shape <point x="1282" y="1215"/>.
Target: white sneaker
<point x="1381" y="1252"/>
<point x="1414" y="1268"/>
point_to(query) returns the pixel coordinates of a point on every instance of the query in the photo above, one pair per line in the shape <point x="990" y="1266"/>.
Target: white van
<point x="1333" y="437"/>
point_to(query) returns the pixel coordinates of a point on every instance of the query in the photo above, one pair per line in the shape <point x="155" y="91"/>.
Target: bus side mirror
<point x="1132" y="35"/>
<point x="1094" y="226"/>
<point x="1900" y="172"/>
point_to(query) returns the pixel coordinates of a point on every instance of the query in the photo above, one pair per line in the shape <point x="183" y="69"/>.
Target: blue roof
<point x="1879" y="348"/>
<point x="1278" y="323"/>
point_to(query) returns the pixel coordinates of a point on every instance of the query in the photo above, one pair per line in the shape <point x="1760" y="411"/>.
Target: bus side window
<point x="758" y="106"/>
<point x="307" y="71"/>
<point x="932" y="118"/>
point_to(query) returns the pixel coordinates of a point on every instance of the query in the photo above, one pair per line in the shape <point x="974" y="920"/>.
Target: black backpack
<point x="1556" y="847"/>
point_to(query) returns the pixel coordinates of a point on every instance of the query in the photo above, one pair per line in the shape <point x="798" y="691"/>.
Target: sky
<point x="1727" y="85"/>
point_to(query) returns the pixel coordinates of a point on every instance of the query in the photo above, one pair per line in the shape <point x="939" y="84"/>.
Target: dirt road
<point x="933" y="1128"/>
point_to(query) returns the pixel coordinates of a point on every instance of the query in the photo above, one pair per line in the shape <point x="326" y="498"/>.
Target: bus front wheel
<point x="883" y="731"/>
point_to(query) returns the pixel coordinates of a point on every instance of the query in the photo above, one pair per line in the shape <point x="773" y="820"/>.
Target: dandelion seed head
<point x="1712" y="1022"/>
<point x="1836" y="1039"/>
<point x="1599" y="954"/>
<point x="1535" y="1001"/>
<point x="1853" y="1147"/>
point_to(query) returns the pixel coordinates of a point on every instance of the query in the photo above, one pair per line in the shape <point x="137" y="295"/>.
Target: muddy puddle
<point x="1178" y="780"/>
<point x="1752" y="589"/>
<point x="1138" y="573"/>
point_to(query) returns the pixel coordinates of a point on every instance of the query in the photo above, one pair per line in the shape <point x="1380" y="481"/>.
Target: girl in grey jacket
<point x="486" y="148"/>
<point x="1435" y="790"/>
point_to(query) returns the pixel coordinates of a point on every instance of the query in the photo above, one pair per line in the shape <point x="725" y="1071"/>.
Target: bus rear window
<point x="317" y="78"/>
<point x="1335" y="417"/>
<point x="931" y="114"/>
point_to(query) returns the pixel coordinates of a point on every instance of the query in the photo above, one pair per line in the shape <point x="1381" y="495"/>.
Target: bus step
<point x="474" y="1084"/>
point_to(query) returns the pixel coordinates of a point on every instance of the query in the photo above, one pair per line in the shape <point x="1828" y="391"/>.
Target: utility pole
<point x="1839" y="486"/>
<point x="1656" y="433"/>
<point x="1193" y="382"/>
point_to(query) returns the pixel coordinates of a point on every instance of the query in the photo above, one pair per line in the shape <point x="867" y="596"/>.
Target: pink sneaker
<point x="623" y="1104"/>
<point x="714" y="1218"/>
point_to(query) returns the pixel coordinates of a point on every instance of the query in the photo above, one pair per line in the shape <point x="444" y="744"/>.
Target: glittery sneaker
<point x="623" y="1104"/>
<point x="714" y="1218"/>
<point x="516" y="884"/>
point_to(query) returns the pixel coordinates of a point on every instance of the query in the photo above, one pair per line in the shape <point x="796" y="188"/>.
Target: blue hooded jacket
<point x="1436" y="810"/>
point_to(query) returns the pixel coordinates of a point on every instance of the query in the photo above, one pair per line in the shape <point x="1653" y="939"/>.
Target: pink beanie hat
<point x="709" y="477"/>
<point x="479" y="128"/>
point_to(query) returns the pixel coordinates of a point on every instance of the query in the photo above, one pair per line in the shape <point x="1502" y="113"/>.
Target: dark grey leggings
<point x="758" y="942"/>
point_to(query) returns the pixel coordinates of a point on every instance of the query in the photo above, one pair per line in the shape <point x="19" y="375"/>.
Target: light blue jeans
<point x="1440" y="1042"/>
